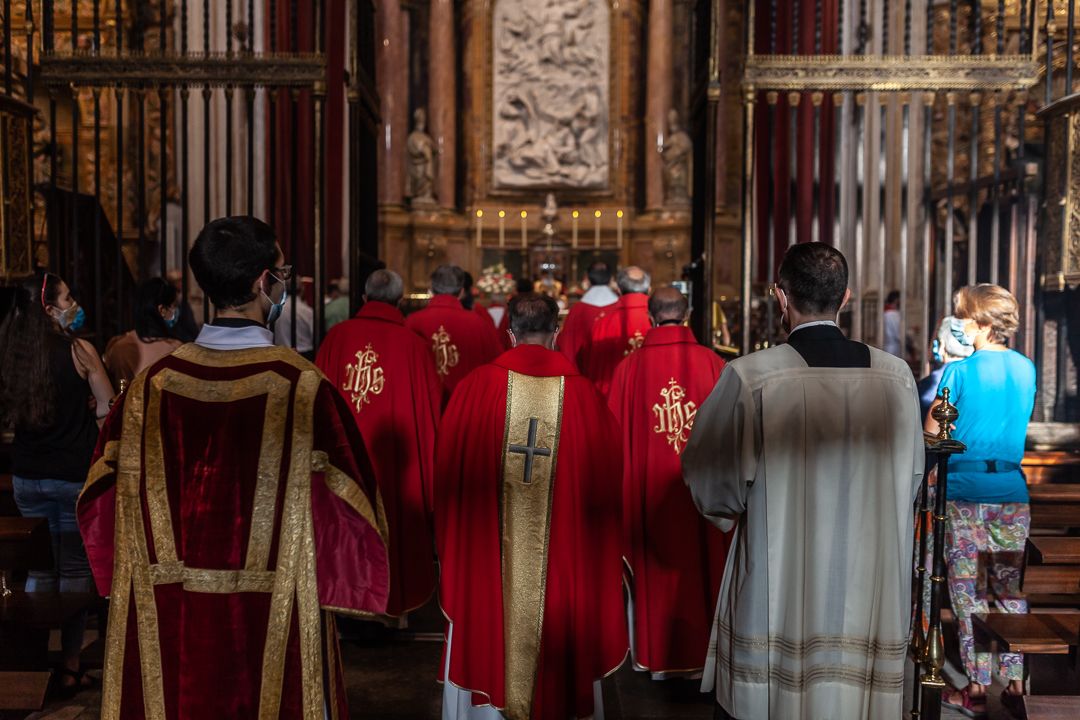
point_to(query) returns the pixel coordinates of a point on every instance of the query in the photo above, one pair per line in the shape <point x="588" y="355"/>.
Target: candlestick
<point x="479" y="228"/>
<point x="596" y="240"/>
<point x="524" y="230"/>
<point x="618" y="228"/>
<point x="573" y="232"/>
<point x="502" y="228"/>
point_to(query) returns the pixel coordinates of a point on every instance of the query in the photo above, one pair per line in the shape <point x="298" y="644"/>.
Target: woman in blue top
<point x="988" y="511"/>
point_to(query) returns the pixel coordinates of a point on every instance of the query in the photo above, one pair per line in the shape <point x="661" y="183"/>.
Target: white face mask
<point x="959" y="330"/>
<point x="276" y="308"/>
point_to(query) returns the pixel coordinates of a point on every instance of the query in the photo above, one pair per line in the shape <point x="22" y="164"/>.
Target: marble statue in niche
<point x="678" y="154"/>
<point x="422" y="151"/>
<point x="551" y="93"/>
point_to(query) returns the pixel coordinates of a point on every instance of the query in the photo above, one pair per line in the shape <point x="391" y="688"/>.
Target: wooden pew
<point x="1037" y="633"/>
<point x="23" y="691"/>
<point x="1055" y="506"/>
<point x="1052" y="707"/>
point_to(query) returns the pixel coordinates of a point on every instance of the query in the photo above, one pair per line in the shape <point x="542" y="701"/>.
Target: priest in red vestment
<point x="528" y="526"/>
<point x="676" y="557"/>
<point x="577" y="327"/>
<point x="460" y="340"/>
<point x="387" y="376"/>
<point x="230" y="508"/>
<point x="619" y="330"/>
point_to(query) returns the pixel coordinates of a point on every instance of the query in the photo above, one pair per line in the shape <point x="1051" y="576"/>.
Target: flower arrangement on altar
<point x="495" y="280"/>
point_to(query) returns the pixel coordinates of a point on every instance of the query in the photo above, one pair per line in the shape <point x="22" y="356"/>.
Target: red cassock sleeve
<point x="96" y="508"/>
<point x="584" y="634"/>
<point x="348" y="517"/>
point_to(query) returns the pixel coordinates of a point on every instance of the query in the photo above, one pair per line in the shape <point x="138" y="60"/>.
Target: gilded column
<point x="392" y="83"/>
<point x="658" y="93"/>
<point x="442" y="97"/>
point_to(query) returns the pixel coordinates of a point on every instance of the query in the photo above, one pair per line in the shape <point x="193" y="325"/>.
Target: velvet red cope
<point x="386" y="375"/>
<point x="676" y="557"/>
<point x="584" y="630"/>
<point x="211" y="639"/>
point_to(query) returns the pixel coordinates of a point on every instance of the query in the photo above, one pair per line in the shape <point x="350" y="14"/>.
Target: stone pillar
<point x="390" y="70"/>
<point x="442" y="97"/>
<point x="402" y="113"/>
<point x="658" y="97"/>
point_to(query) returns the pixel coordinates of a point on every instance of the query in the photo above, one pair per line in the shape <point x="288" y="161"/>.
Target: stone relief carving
<point x="550" y="93"/>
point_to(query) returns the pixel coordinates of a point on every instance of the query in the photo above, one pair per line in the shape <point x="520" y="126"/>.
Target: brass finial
<point x="933" y="659"/>
<point x="945" y="414"/>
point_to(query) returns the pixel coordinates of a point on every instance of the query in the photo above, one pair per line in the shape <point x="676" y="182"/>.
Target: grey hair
<point x="447" y="280"/>
<point x="628" y="284"/>
<point x="384" y="286"/>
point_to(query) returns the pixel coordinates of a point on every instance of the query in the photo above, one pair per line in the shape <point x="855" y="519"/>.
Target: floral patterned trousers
<point x="984" y="548"/>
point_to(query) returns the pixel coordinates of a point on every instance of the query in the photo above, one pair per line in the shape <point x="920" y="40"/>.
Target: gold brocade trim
<point x="675" y="417"/>
<point x="102" y="468"/>
<point x="309" y="620"/>
<point x="212" y="581"/>
<point x="116" y="637"/>
<point x="349" y="490"/>
<point x="364" y="378"/>
<point x="195" y="353"/>
<point x="530" y="449"/>
<point x="446" y="352"/>
<point x="331" y="640"/>
<point x="146" y="618"/>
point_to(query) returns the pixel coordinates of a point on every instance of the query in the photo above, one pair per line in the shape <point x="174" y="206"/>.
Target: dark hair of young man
<point x="228" y="257"/>
<point x="599" y="274"/>
<point x="447" y="280"/>
<point x="893" y="298"/>
<point x="533" y="314"/>
<point x="152" y="294"/>
<point x="814" y="276"/>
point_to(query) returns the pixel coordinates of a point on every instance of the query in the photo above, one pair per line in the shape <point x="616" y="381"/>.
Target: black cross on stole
<point x="530" y="450"/>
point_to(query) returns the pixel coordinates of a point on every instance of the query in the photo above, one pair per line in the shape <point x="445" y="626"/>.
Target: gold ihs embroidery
<point x="634" y="343"/>
<point x="364" y="378"/>
<point x="446" y="352"/>
<point x="674" y="415"/>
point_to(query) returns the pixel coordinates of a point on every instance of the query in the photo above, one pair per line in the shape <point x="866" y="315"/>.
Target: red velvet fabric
<point x="584" y="623"/>
<point x="211" y="643"/>
<point x="397" y="418"/>
<point x="616" y="333"/>
<point x="577" y="330"/>
<point x="473" y="339"/>
<point x="676" y="556"/>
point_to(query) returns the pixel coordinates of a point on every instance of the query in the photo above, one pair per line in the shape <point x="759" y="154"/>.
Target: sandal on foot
<point x="80" y="681"/>
<point x="967" y="705"/>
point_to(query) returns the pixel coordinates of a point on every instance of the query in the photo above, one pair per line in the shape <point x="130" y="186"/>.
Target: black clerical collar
<point x="662" y="323"/>
<point x="232" y="322"/>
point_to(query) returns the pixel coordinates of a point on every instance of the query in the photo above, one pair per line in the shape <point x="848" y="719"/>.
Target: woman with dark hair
<point x="157" y="310"/>
<point x="47" y="379"/>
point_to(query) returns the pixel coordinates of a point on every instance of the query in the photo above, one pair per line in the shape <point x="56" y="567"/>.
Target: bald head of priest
<point x="668" y="306"/>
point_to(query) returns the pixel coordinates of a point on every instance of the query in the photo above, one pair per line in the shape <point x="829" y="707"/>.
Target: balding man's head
<point x="632" y="279"/>
<point x="383" y="286"/>
<point x="668" y="306"/>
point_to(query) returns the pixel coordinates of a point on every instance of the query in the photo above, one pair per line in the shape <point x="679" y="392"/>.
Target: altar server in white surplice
<point x="813" y="451"/>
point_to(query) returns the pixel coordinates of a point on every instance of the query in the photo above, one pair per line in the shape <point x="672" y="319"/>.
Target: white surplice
<point x="819" y="468"/>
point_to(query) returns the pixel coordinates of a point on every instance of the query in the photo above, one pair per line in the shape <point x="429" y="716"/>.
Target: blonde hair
<point x="991" y="305"/>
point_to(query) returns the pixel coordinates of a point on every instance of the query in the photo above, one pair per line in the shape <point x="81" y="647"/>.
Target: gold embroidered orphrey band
<point x="530" y="448"/>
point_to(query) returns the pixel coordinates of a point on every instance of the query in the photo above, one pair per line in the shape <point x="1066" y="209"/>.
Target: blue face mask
<point x="276" y="308"/>
<point x="73" y="318"/>
<point x="956" y="327"/>
<point x="171" y="322"/>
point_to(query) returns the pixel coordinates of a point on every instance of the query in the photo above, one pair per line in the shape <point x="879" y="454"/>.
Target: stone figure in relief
<point x="422" y="151"/>
<point x="678" y="153"/>
<point x="551" y="93"/>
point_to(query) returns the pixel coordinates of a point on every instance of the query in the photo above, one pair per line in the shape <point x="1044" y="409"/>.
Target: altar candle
<point x="618" y="227"/>
<point x="596" y="239"/>
<point x="524" y="230"/>
<point x="573" y="225"/>
<point x="479" y="227"/>
<point x="502" y="228"/>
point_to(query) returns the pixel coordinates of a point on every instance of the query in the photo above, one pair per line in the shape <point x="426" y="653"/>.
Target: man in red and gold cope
<point x="230" y="511"/>
<point x="387" y="376"/>
<point x="528" y="525"/>
<point x="459" y="339"/>
<point x="619" y="330"/>
<point x="577" y="327"/>
<point x="675" y="555"/>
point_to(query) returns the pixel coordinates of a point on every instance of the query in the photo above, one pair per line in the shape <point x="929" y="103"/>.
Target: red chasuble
<point x="617" y="332"/>
<point x="459" y="340"/>
<point x="387" y="377"/>
<point x="577" y="330"/>
<point x="501" y="327"/>
<point x="229" y="506"/>
<point x="527" y="521"/>
<point x="676" y="556"/>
